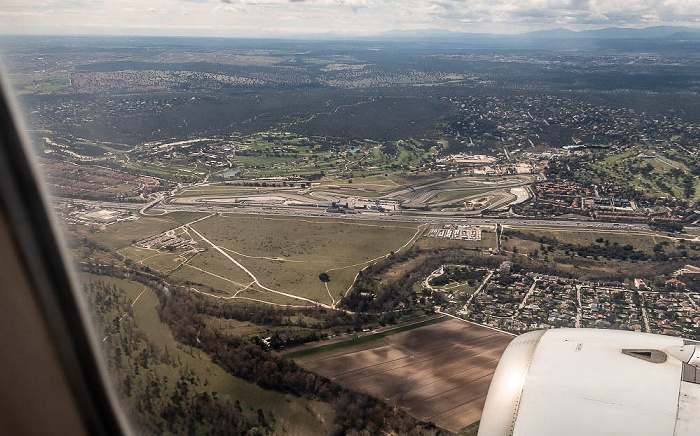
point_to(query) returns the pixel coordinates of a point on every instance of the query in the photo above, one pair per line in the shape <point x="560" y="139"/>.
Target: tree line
<point x="186" y="315"/>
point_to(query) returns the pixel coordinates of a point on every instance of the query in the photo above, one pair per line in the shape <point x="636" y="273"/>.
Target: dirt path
<point x="277" y="259"/>
<point x="252" y="276"/>
<point x="369" y="262"/>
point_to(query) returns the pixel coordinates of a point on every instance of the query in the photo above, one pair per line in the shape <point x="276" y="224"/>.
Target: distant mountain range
<point x="605" y="33"/>
<point x="676" y="40"/>
<point x="620" y="33"/>
<point x="611" y="38"/>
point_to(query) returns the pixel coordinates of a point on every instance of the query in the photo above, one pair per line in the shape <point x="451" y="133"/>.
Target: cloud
<point x="550" y="13"/>
<point x="566" y="20"/>
<point x="37" y="14"/>
<point x="350" y="3"/>
<point x="281" y="17"/>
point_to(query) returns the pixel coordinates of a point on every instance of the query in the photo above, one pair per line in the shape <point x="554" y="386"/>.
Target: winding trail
<point x="438" y="272"/>
<point x="232" y="297"/>
<point x="277" y="259"/>
<point x="139" y="296"/>
<point x="369" y="262"/>
<point x="333" y="303"/>
<point x="126" y="313"/>
<point x="217" y="276"/>
<point x="252" y="276"/>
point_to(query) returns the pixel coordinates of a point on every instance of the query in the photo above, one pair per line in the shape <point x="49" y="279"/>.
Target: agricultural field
<point x="440" y="372"/>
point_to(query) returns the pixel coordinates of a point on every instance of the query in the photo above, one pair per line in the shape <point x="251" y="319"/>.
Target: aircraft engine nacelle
<point x="587" y="381"/>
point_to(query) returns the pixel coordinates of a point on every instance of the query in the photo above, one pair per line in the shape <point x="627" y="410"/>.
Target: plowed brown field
<point x="439" y="373"/>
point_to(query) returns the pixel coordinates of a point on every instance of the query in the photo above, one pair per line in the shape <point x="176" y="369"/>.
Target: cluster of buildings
<point x="673" y="313"/>
<point x="519" y="121"/>
<point x="496" y="304"/>
<point x="572" y="197"/>
<point x="77" y="213"/>
<point x="66" y="179"/>
<point x="359" y="204"/>
<point x="482" y="165"/>
<point x="167" y="241"/>
<point x="456" y="231"/>
<point x="610" y="307"/>
<point x="551" y="303"/>
<point x="518" y="302"/>
<point x="689" y="270"/>
<point x="102" y="216"/>
<point x="561" y="196"/>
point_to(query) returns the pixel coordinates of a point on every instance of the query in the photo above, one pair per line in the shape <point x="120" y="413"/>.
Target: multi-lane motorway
<point x="399" y="217"/>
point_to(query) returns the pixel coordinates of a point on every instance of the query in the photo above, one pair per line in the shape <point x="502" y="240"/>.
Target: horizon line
<point x="397" y="33"/>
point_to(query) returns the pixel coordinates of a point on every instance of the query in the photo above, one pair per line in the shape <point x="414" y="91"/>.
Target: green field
<point x="119" y="235"/>
<point x="285" y="255"/>
<point x="213" y="262"/>
<point x="168" y="171"/>
<point x="363" y="339"/>
<point x="656" y="170"/>
<point x="294" y="415"/>
<point x="289" y="254"/>
<point x="457" y="287"/>
<point x="462" y="194"/>
<point x="276" y="154"/>
<point x="644" y="241"/>
<point x="39" y="84"/>
<point x="229" y="189"/>
<point x="242" y="328"/>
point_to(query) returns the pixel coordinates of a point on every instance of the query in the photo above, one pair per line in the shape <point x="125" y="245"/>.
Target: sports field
<point x="440" y="372"/>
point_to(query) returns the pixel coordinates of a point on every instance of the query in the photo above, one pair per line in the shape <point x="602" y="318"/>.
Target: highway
<point x="406" y="216"/>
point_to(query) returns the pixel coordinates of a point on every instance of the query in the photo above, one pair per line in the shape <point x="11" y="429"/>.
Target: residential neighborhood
<point x="522" y="301"/>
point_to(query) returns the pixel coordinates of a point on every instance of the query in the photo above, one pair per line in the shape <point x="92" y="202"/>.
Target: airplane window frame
<point x="36" y="232"/>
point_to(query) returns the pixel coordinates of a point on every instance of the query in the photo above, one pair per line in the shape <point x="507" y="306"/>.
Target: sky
<point x="282" y="18"/>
